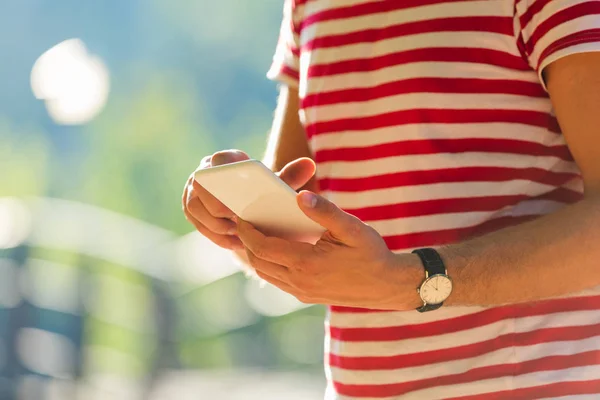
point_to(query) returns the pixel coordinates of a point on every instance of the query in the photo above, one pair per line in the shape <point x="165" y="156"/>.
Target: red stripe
<point x="492" y="24"/>
<point x="449" y="236"/>
<point x="587" y="36"/>
<point x="495" y="58"/>
<point x="364" y="9"/>
<point x="570" y="333"/>
<point x="464" y="322"/>
<point x="443" y="146"/>
<point x="447" y="175"/>
<point x="286" y="70"/>
<point x="429" y="115"/>
<point x="551" y="363"/>
<point x="292" y="15"/>
<point x="457" y="205"/>
<point x="535" y="7"/>
<point x="552" y="390"/>
<point x="568" y="14"/>
<point x="294" y="50"/>
<point x="426" y="85"/>
<point x="553" y="125"/>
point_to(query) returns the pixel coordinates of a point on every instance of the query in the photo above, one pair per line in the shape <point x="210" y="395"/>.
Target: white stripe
<point x="284" y="57"/>
<point x="411" y="101"/>
<point x="436" y="191"/>
<point x="403" y="16"/>
<point x="562" y="30"/>
<point x="501" y="356"/>
<point x="575" y="185"/>
<point x="449" y="340"/>
<point x="433" y="223"/>
<point x="310" y="7"/>
<point x="425" y="162"/>
<point x="550" y="8"/>
<point x="392" y="134"/>
<point x="471" y="40"/>
<point x="429" y="223"/>
<point x="357" y="80"/>
<point x="506" y="383"/>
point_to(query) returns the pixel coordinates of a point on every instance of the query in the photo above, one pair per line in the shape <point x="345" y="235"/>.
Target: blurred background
<point x="105" y="292"/>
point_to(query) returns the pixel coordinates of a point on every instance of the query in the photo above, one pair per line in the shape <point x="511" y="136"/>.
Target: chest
<point x="356" y="56"/>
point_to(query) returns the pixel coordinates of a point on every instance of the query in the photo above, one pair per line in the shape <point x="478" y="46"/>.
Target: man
<point x="466" y="130"/>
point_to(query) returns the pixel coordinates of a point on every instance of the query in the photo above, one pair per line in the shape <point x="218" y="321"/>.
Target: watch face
<point x="436" y="289"/>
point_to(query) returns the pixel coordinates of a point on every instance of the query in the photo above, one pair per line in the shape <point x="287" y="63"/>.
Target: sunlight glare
<point x="73" y="83"/>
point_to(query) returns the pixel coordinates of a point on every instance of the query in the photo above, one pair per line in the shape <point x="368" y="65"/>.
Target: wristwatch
<point x="437" y="285"/>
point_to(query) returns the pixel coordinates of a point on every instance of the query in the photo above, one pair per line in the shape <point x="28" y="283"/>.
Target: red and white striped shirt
<point x="429" y="120"/>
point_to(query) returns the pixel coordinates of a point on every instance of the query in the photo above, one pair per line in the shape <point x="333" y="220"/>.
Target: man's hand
<point x="211" y="217"/>
<point x="350" y="265"/>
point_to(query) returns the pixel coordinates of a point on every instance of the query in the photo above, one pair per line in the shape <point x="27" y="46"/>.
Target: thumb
<point x="343" y="226"/>
<point x="228" y="157"/>
<point x="298" y="172"/>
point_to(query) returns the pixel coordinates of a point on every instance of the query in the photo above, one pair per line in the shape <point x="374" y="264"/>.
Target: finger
<point x="298" y="172"/>
<point x="275" y="270"/>
<point x="187" y="191"/>
<point x="205" y="163"/>
<point x="273" y="249"/>
<point x="343" y="226"/>
<point x="221" y="226"/>
<point x="224" y="241"/>
<point x="184" y="196"/>
<point x="212" y="204"/>
<point x="228" y="157"/>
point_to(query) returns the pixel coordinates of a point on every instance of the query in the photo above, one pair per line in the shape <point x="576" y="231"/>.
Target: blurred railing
<point x="97" y="300"/>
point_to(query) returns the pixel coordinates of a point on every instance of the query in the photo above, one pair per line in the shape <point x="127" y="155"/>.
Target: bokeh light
<point x="73" y="83"/>
<point x="269" y="300"/>
<point x="15" y="223"/>
<point x="51" y="285"/>
<point x="46" y="353"/>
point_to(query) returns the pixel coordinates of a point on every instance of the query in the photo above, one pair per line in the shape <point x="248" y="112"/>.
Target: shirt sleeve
<point x="286" y="61"/>
<point x="552" y="29"/>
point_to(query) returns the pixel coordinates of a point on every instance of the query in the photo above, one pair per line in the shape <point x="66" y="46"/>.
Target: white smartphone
<point x="257" y="195"/>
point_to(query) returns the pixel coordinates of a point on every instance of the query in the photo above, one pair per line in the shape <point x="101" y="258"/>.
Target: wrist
<point x="407" y="274"/>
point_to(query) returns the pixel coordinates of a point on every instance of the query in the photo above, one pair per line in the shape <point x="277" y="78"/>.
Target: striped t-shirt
<point x="429" y="120"/>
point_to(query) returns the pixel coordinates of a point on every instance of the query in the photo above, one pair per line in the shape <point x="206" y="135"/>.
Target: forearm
<point x="287" y="142"/>
<point x="554" y="255"/>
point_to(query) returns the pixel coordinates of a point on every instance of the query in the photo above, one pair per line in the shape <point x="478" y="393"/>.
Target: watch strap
<point x="433" y="263"/>
<point x="429" y="307"/>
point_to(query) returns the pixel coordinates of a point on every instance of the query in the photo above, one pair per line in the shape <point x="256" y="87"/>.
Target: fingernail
<point x="309" y="200"/>
<point x="205" y="163"/>
<point x="219" y="159"/>
<point x="232" y="231"/>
